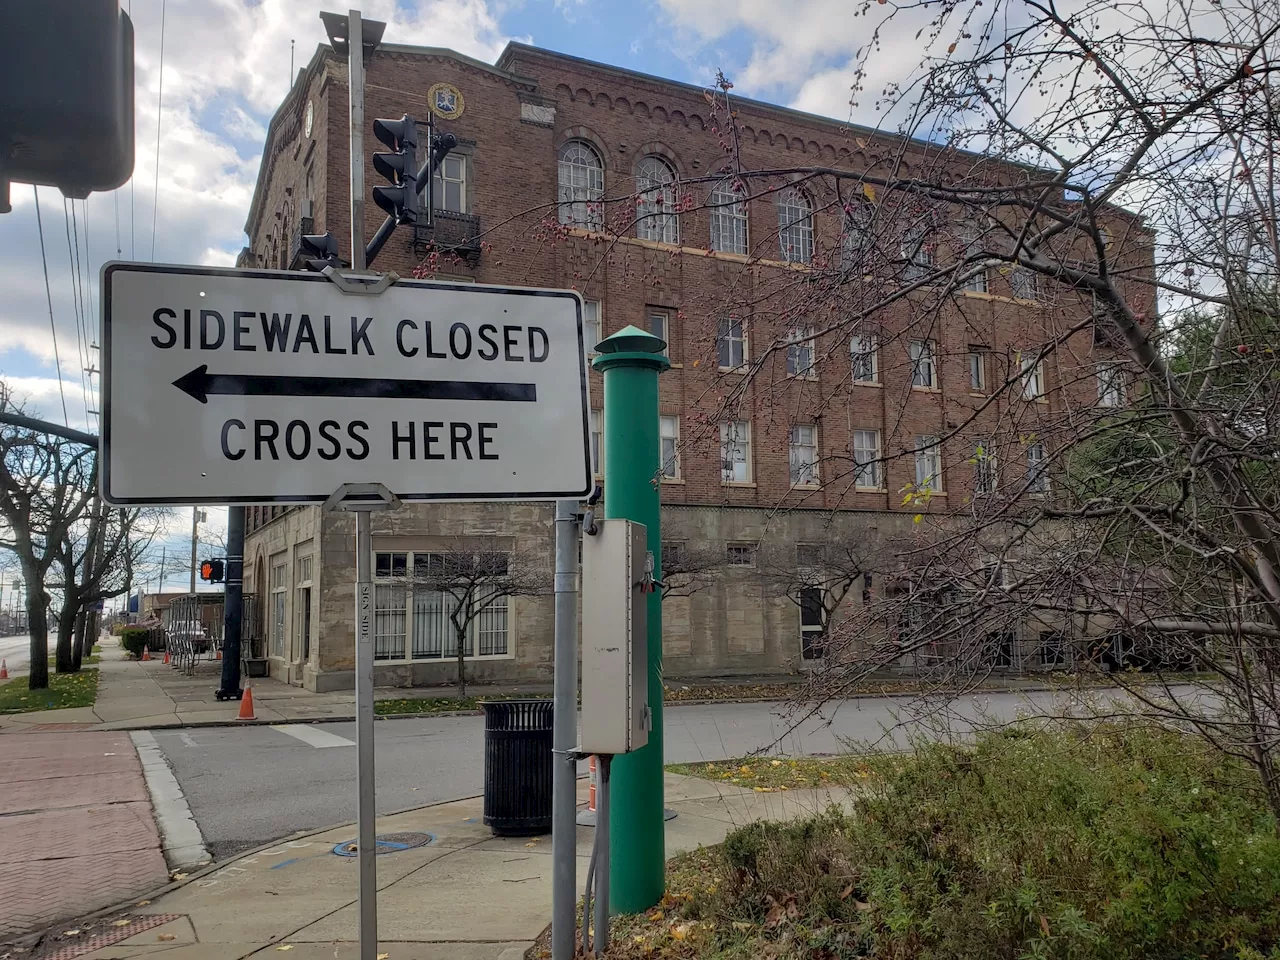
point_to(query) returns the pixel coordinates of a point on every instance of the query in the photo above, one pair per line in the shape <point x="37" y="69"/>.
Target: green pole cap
<point x="631" y="347"/>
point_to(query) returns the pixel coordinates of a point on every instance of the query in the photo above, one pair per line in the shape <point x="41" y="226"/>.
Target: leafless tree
<point x="689" y="567"/>
<point x="1074" y="210"/>
<point x="471" y="584"/>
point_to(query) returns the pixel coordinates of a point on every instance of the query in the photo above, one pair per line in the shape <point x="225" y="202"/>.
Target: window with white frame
<point x="449" y="184"/>
<point x="656" y="210"/>
<point x="866" y="459"/>
<point x="863" y="348"/>
<point x="803" y="454"/>
<point x="984" y="467"/>
<point x="795" y="226"/>
<point x="669" y="434"/>
<point x="1032" y="375"/>
<point x="978" y="369"/>
<point x="659" y="320"/>
<point x="1024" y="284"/>
<point x="728" y="218"/>
<point x="970" y="241"/>
<point x="923" y="372"/>
<point x="928" y="464"/>
<point x="735" y="452"/>
<point x="731" y="343"/>
<point x="918" y="256"/>
<point x="302" y="606"/>
<point x="279" y="585"/>
<point x="597" y="442"/>
<point x="800" y="353"/>
<point x="1037" y="469"/>
<point x="592" y="331"/>
<point x="1110" y="385"/>
<point x="581" y="186"/>
<point x="812" y="624"/>
<point x="413" y="612"/>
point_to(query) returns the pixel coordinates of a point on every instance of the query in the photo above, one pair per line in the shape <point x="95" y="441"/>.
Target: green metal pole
<point x="631" y="360"/>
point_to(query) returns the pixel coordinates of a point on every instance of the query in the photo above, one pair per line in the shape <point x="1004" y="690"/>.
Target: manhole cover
<point x="387" y="843"/>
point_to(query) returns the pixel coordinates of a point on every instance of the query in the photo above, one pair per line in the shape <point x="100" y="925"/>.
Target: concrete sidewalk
<point x="136" y="695"/>
<point x="463" y="895"/>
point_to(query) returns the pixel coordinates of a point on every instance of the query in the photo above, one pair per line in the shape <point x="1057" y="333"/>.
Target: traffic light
<point x="212" y="571"/>
<point x="320" y="251"/>
<point x="400" y="200"/>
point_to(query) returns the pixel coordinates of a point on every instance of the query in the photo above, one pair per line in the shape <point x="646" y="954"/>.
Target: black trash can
<point x="517" y="766"/>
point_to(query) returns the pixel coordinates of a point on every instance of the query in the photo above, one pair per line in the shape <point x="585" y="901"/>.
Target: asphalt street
<point x="251" y="785"/>
<point x="16" y="652"/>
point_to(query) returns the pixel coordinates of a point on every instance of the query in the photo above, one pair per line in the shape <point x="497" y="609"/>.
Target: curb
<point x="350" y="718"/>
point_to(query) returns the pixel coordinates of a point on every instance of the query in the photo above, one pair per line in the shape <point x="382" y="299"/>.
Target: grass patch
<point x="65" y="690"/>
<point x="768" y="774"/>
<point x="1102" y="843"/>
<point x="390" y="708"/>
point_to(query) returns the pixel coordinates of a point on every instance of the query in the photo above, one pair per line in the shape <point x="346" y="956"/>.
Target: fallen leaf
<point x="742" y="925"/>
<point x="383" y="956"/>
<point x="844" y="894"/>
<point x="744" y="769"/>
<point x="69" y="933"/>
<point x="143" y="903"/>
<point x="166" y="936"/>
<point x="861" y="905"/>
<point x="177" y="876"/>
<point x="122" y="923"/>
<point x="1044" y="924"/>
<point x="680" y="931"/>
<point x="285" y="946"/>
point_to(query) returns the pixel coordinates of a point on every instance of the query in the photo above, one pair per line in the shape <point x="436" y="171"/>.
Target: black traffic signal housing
<point x="320" y="250"/>
<point x="213" y="571"/>
<point x="66" y="96"/>
<point x="400" y="200"/>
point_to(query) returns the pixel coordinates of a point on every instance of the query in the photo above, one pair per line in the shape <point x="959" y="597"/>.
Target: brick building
<point x="843" y="427"/>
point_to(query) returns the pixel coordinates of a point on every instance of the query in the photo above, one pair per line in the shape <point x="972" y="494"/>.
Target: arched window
<point x="856" y="240"/>
<point x="656" y="191"/>
<point x="795" y="226"/>
<point x="286" y="222"/>
<point x="728" y="218"/>
<point x="581" y="193"/>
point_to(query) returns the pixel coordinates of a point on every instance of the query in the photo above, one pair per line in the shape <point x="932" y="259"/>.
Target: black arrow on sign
<point x="200" y="383"/>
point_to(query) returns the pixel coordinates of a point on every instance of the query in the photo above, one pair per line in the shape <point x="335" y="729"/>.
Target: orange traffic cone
<point x="166" y="654"/>
<point x="246" y="705"/>
<point x="146" y="652"/>
<point x="4" y="669"/>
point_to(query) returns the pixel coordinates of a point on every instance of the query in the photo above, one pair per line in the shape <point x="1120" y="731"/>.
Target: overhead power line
<point x="49" y="297"/>
<point x="155" y="199"/>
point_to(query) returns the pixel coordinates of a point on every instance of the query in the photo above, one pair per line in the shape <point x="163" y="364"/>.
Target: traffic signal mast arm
<point x="438" y="148"/>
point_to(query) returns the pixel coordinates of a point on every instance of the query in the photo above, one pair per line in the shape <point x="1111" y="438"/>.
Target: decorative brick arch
<point x="656" y="148"/>
<point x="587" y="135"/>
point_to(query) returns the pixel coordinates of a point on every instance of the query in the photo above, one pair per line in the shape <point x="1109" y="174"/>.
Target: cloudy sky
<point x="226" y="66"/>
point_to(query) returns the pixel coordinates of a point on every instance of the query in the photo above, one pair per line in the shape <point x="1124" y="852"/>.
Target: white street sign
<point x="254" y="386"/>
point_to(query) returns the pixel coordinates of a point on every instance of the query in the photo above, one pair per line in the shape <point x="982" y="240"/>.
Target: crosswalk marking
<point x="313" y="736"/>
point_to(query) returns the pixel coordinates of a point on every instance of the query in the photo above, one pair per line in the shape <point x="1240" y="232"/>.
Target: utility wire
<point x="77" y="292"/>
<point x="49" y="297"/>
<point x="155" y="199"/>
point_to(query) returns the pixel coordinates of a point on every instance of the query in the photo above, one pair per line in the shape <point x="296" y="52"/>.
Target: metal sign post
<point x="363" y="499"/>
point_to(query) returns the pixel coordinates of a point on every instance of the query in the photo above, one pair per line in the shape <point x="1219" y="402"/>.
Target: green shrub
<point x="133" y="639"/>
<point x="1106" y="843"/>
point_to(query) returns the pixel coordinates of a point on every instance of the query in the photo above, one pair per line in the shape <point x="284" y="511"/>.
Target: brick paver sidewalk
<point x="76" y="830"/>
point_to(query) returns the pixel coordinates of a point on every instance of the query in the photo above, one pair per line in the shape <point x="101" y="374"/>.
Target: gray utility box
<point x="615" y="650"/>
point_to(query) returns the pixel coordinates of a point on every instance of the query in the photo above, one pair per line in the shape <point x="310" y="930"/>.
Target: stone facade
<point x="517" y="116"/>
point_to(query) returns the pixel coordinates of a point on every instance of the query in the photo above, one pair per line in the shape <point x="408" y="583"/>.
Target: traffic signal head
<point x="320" y="250"/>
<point x="212" y="571"/>
<point x="400" y="167"/>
